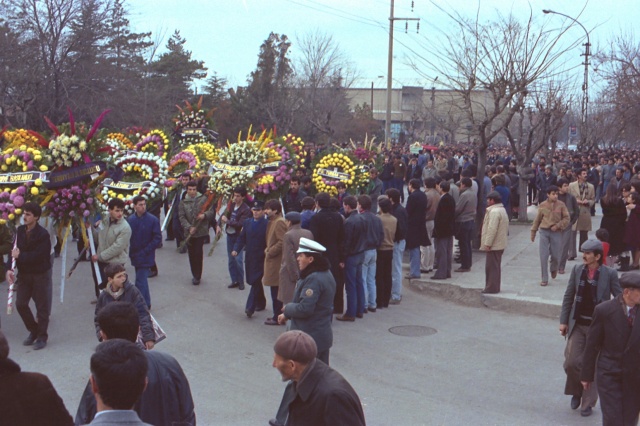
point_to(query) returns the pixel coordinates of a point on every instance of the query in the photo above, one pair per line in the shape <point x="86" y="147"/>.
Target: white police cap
<point x="310" y="246"/>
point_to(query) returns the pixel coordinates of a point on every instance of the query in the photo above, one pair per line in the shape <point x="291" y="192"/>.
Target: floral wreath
<point x="183" y="161"/>
<point x="155" y="142"/>
<point x="344" y="170"/>
<point x="241" y="153"/>
<point x="119" y="142"/>
<point x="137" y="167"/>
<point x="276" y="179"/>
<point x="297" y="144"/>
<point x="193" y="117"/>
<point x="206" y="152"/>
<point x="22" y="154"/>
<point x="69" y="203"/>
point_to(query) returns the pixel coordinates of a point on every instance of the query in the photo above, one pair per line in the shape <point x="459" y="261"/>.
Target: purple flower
<point x="72" y="213"/>
<point x="18" y="201"/>
<point x="89" y="200"/>
<point x="85" y="213"/>
<point x="21" y="190"/>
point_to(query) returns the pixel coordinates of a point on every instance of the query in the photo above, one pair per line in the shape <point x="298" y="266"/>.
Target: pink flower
<point x="18" y="201"/>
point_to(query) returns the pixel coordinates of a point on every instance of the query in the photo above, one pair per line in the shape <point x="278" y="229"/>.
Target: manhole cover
<point x="413" y="330"/>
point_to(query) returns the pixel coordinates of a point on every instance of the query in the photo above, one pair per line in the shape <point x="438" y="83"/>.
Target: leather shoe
<point x="575" y="402"/>
<point x="437" y="278"/>
<point x="586" y="412"/>
<point x="271" y="321"/>
<point x="233" y="285"/>
<point x="345" y="318"/>
<point x="554" y="274"/>
<point x="360" y="315"/>
<point x="371" y="309"/>
<point x="395" y="301"/>
<point x="426" y="271"/>
<point x="463" y="270"/>
<point x="29" y="340"/>
<point x="39" y="344"/>
<point x="241" y="286"/>
<point x="489" y="292"/>
<point x="195" y="281"/>
<point x="249" y="312"/>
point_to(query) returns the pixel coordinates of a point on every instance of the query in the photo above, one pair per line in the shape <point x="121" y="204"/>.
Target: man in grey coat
<point x="312" y="308"/>
<point x="289" y="271"/>
<point x="590" y="284"/>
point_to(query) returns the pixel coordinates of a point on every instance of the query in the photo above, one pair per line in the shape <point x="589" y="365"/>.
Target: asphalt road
<point x="481" y="367"/>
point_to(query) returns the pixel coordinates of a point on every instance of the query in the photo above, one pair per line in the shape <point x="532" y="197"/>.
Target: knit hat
<point x="297" y="346"/>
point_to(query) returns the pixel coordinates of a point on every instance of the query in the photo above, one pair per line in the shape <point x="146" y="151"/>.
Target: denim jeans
<point x="414" y="262"/>
<point x="236" y="272"/>
<point x="396" y="275"/>
<point x="142" y="284"/>
<point x="353" y="284"/>
<point x="369" y="277"/>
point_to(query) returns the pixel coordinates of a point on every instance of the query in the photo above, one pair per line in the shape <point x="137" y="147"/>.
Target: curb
<point x="505" y="302"/>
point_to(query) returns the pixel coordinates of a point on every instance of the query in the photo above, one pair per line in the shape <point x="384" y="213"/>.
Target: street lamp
<point x="585" y="84"/>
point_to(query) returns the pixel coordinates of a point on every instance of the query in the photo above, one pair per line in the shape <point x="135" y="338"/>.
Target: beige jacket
<point x="495" y="228"/>
<point x="276" y="228"/>
<point x="589" y="194"/>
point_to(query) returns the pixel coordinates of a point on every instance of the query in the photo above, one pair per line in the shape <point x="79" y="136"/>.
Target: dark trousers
<point x="465" y="237"/>
<point x="532" y="192"/>
<point x="444" y="257"/>
<point x="256" y="300"/>
<point x="398" y="183"/>
<point x="384" y="263"/>
<point x="196" y="256"/>
<point x="39" y="288"/>
<point x="277" y="305"/>
<point x="493" y="271"/>
<point x="338" y="299"/>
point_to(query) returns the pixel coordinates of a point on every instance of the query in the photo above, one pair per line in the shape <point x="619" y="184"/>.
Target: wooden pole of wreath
<point x="63" y="266"/>
<point x="12" y="283"/>
<point x="92" y="247"/>
<point x="222" y="207"/>
<point x="207" y="204"/>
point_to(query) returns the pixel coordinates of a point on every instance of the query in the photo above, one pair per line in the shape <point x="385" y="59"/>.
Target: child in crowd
<point x="603" y="236"/>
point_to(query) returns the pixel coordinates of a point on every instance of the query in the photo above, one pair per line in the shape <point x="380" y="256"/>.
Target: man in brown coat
<point x="276" y="228"/>
<point x="289" y="271"/>
<point x="27" y="398"/>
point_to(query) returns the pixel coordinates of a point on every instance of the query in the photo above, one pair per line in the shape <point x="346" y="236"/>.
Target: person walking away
<point x="399" y="244"/>
<point x="465" y="223"/>
<point x="384" y="260"/>
<point x="276" y="228"/>
<point x="289" y="272"/>
<point x="443" y="230"/>
<point x="427" y="253"/>
<point x="416" y="226"/>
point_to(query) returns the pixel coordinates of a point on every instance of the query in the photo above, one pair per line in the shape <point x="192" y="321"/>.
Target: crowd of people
<point x="321" y="256"/>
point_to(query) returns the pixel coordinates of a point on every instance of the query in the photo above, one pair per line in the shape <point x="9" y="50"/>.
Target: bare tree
<point x="616" y="117"/>
<point x="489" y="65"/>
<point x="323" y="73"/>
<point x="538" y="118"/>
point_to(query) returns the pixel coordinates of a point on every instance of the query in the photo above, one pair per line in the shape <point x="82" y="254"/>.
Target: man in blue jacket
<point x="145" y="239"/>
<point x="253" y="238"/>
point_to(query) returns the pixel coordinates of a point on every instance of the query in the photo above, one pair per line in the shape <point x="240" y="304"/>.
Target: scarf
<point x="115" y="294"/>
<point x="586" y="288"/>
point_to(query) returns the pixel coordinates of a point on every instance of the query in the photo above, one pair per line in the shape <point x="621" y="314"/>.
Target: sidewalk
<point x="520" y="289"/>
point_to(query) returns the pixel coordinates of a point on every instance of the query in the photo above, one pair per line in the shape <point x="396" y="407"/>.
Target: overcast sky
<point x="227" y="34"/>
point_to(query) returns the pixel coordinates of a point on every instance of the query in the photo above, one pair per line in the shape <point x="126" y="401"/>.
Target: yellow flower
<point x="34" y="190"/>
<point x="43" y="168"/>
<point x="38" y="182"/>
<point x="3" y="222"/>
<point x="18" y="211"/>
<point x="4" y="168"/>
<point x="12" y="216"/>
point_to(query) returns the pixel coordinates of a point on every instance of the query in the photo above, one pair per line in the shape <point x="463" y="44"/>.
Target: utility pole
<point x="387" y="121"/>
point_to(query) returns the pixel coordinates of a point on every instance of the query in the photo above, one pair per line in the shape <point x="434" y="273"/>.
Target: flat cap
<point x="310" y="246"/>
<point x="257" y="205"/>
<point x="494" y="195"/>
<point x="591" y="245"/>
<point x="293" y="217"/>
<point x="297" y="346"/>
<point x="630" y="280"/>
